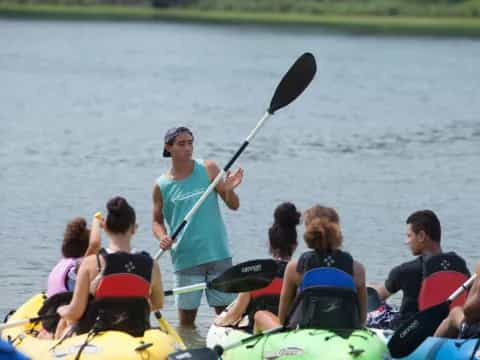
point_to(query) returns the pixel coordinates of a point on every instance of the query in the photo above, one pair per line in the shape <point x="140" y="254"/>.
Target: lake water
<point x="389" y="125"/>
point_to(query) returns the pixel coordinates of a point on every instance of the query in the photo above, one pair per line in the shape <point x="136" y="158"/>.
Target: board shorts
<point x="199" y="274"/>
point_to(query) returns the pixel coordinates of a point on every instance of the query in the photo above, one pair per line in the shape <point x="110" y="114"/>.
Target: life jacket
<point x="327" y="296"/>
<point x="121" y="296"/>
<point x="58" y="279"/>
<point x="442" y="275"/>
<point x="267" y="298"/>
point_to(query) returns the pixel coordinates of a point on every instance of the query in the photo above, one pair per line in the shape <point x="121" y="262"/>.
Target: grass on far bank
<point x="450" y="26"/>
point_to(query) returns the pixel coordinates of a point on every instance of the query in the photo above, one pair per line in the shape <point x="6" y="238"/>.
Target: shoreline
<point x="392" y="25"/>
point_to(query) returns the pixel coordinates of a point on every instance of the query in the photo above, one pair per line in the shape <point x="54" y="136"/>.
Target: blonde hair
<point x="323" y="234"/>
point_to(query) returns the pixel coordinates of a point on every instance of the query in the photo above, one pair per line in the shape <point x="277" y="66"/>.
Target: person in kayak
<point x="282" y="237"/>
<point x="203" y="252"/>
<point x="125" y="286"/>
<point x="423" y="239"/>
<point x="78" y="241"/>
<point x="345" y="307"/>
<point x="464" y="321"/>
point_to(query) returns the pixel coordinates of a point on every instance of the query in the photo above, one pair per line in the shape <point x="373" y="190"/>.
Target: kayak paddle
<point x="422" y="325"/>
<point x="27" y="321"/>
<point x="217" y="352"/>
<point x="246" y="276"/>
<point x="293" y="83"/>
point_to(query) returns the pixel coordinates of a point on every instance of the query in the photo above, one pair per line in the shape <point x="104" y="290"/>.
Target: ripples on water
<point x="389" y="125"/>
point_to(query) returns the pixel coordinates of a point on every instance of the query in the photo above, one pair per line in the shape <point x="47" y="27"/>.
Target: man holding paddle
<point x="202" y="252"/>
<point x="423" y="239"/>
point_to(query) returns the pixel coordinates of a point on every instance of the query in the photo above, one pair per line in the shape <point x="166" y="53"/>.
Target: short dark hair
<point x="427" y="221"/>
<point x="120" y="215"/>
<point x="75" y="238"/>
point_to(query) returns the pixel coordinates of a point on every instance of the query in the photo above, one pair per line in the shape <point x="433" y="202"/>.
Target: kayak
<point x="302" y="344"/>
<point x="156" y="343"/>
<point x="435" y="348"/>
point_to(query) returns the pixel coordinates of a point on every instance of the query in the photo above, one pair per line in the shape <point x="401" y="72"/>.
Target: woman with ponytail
<point x="282" y="243"/>
<point x="323" y="236"/>
<point x="125" y="286"/>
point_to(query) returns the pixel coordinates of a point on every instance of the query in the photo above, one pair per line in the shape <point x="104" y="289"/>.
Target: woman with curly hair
<point x="78" y="241"/>
<point x="324" y="238"/>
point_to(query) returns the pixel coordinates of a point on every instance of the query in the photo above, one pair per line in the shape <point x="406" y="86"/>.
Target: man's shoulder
<point x="454" y="255"/>
<point x="414" y="265"/>
<point x="162" y="180"/>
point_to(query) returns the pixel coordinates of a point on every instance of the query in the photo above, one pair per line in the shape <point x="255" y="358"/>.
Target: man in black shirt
<point x="423" y="239"/>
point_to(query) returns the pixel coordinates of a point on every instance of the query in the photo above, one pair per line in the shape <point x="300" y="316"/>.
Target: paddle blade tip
<point x="294" y="82"/>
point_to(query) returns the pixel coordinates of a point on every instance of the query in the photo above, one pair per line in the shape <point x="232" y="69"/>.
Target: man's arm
<point x="158" y="224"/>
<point x="471" y="309"/>
<point x="382" y="291"/>
<point x="392" y="284"/>
<point x="225" y="188"/>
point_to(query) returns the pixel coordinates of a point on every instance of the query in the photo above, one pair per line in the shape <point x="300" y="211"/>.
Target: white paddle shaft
<point x="462" y="288"/>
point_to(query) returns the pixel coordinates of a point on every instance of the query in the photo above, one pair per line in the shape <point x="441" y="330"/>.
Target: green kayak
<point x="311" y="344"/>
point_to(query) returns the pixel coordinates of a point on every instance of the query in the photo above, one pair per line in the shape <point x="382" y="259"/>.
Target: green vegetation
<point x="427" y="8"/>
<point x="431" y="17"/>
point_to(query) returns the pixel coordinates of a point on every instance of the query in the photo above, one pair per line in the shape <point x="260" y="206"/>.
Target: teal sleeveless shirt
<point x="204" y="238"/>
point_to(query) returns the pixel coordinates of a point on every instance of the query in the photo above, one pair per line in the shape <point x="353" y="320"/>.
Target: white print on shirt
<point x="195" y="193"/>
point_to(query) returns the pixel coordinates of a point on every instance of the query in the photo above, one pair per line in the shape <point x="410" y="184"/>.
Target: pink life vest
<point x="57" y="279"/>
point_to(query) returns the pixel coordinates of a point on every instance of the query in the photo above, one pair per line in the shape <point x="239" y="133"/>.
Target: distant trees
<point x="169" y="3"/>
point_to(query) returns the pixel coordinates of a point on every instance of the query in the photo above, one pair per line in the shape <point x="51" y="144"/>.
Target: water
<point x="389" y="125"/>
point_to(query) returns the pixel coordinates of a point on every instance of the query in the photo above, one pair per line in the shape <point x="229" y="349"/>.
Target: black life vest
<point x="327" y="296"/>
<point x="267" y="298"/>
<point x="121" y="296"/>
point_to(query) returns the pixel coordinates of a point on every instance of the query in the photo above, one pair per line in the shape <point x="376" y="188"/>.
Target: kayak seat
<point x="327" y="299"/>
<point x="327" y="276"/>
<point x="437" y="287"/>
<point x="442" y="274"/>
<point x="127" y="314"/>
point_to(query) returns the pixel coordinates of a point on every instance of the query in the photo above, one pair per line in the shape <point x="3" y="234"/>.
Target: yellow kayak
<point x="156" y="343"/>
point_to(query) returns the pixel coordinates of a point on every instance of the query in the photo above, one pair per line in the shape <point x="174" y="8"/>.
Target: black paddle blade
<point x="373" y="300"/>
<point x="413" y="332"/>
<point x="246" y="276"/>
<point x="293" y="82"/>
<point x="194" y="354"/>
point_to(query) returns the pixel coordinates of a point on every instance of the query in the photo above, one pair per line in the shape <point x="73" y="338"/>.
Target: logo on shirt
<point x="445" y="264"/>
<point x="195" y="193"/>
<point x="130" y="266"/>
<point x="329" y="261"/>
